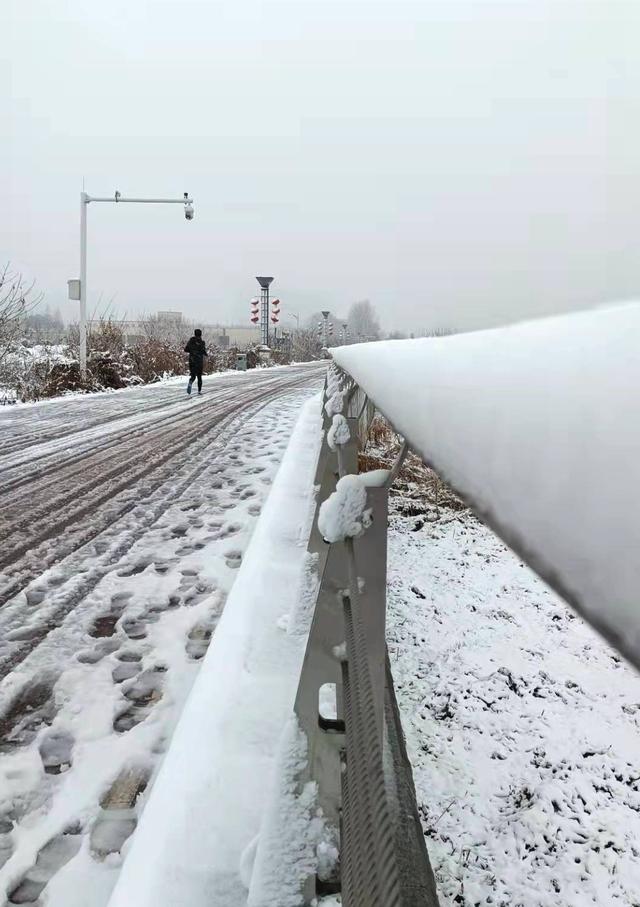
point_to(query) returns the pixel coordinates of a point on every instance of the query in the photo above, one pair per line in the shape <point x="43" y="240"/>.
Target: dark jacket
<point x="197" y="351"/>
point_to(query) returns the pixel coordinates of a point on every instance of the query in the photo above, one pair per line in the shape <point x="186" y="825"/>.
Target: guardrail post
<point x="370" y="581"/>
<point x="370" y="868"/>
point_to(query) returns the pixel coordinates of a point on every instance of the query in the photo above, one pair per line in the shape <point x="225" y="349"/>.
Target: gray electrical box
<point x="241" y="362"/>
<point x="74" y="289"/>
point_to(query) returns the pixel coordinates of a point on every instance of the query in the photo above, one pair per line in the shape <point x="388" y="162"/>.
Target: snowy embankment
<point x="522" y="725"/>
<point x="538" y="425"/>
<point x="207" y="803"/>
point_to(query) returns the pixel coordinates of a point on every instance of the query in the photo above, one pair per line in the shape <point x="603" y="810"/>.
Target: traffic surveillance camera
<point x="188" y="211"/>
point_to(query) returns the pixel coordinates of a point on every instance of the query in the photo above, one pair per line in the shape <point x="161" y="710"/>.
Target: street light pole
<point x="264" y="318"/>
<point x="116" y="199"/>
<point x="325" y="315"/>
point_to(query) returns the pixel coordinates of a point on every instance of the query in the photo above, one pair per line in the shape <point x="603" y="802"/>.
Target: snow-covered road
<point x="123" y="520"/>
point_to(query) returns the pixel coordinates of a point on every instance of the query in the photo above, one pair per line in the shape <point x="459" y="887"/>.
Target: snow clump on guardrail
<point x="345" y="513"/>
<point x="339" y="432"/>
<point x="334" y="404"/>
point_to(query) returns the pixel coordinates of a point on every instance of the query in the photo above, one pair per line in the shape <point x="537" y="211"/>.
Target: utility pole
<point x="82" y="294"/>
<point x="84" y="201"/>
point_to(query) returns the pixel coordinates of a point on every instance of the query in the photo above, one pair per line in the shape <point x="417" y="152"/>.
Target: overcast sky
<point x="458" y="162"/>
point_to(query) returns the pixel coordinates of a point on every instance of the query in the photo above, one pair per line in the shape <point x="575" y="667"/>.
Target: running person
<point x="197" y="351"/>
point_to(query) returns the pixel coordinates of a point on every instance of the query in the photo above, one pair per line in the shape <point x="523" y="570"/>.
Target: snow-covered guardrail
<point x="537" y="426"/>
<point x="345" y="703"/>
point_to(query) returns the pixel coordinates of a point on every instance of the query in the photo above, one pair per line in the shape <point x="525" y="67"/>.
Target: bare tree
<point x="167" y="330"/>
<point x="363" y="321"/>
<point x="16" y="301"/>
<point x="306" y="345"/>
<point x="439" y="332"/>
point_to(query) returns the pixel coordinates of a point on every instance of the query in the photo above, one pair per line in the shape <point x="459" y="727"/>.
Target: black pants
<point x="195" y="368"/>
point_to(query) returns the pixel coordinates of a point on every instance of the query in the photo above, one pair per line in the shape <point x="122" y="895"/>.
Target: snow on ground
<point x="197" y="837"/>
<point x="522" y="725"/>
<point x="88" y="713"/>
<point x="539" y="425"/>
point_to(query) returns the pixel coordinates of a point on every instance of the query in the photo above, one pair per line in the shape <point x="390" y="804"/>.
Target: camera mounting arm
<point x="117" y="197"/>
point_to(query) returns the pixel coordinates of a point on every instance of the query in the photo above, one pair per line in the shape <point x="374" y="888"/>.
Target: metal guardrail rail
<point x="357" y="760"/>
<point x="357" y="756"/>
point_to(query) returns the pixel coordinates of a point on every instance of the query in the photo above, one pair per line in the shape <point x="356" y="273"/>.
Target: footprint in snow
<point x="230" y="529"/>
<point x="134" y="628"/>
<point x="55" y="854"/>
<point x="125" y="670"/>
<point x="143" y="694"/>
<point x="117" y="819"/>
<point x="105" y="624"/>
<point x="56" y="748"/>
<point x="30" y="709"/>
<point x="161" y="566"/>
<point x="129" y="655"/>
<point x="136" y="568"/>
<point x="93" y="656"/>
<point x="198" y="593"/>
<point x="154" y="612"/>
<point x="198" y="640"/>
<point x="189" y="579"/>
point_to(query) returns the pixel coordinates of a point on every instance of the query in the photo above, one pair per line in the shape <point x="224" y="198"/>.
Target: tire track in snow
<point x="142" y="513"/>
<point x="25" y="558"/>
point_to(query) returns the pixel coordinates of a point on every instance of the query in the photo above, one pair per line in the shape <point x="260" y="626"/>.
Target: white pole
<point x="83" y="282"/>
<point x="186" y="200"/>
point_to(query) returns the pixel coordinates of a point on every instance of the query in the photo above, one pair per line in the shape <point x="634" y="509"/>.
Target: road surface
<point x="123" y="520"/>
